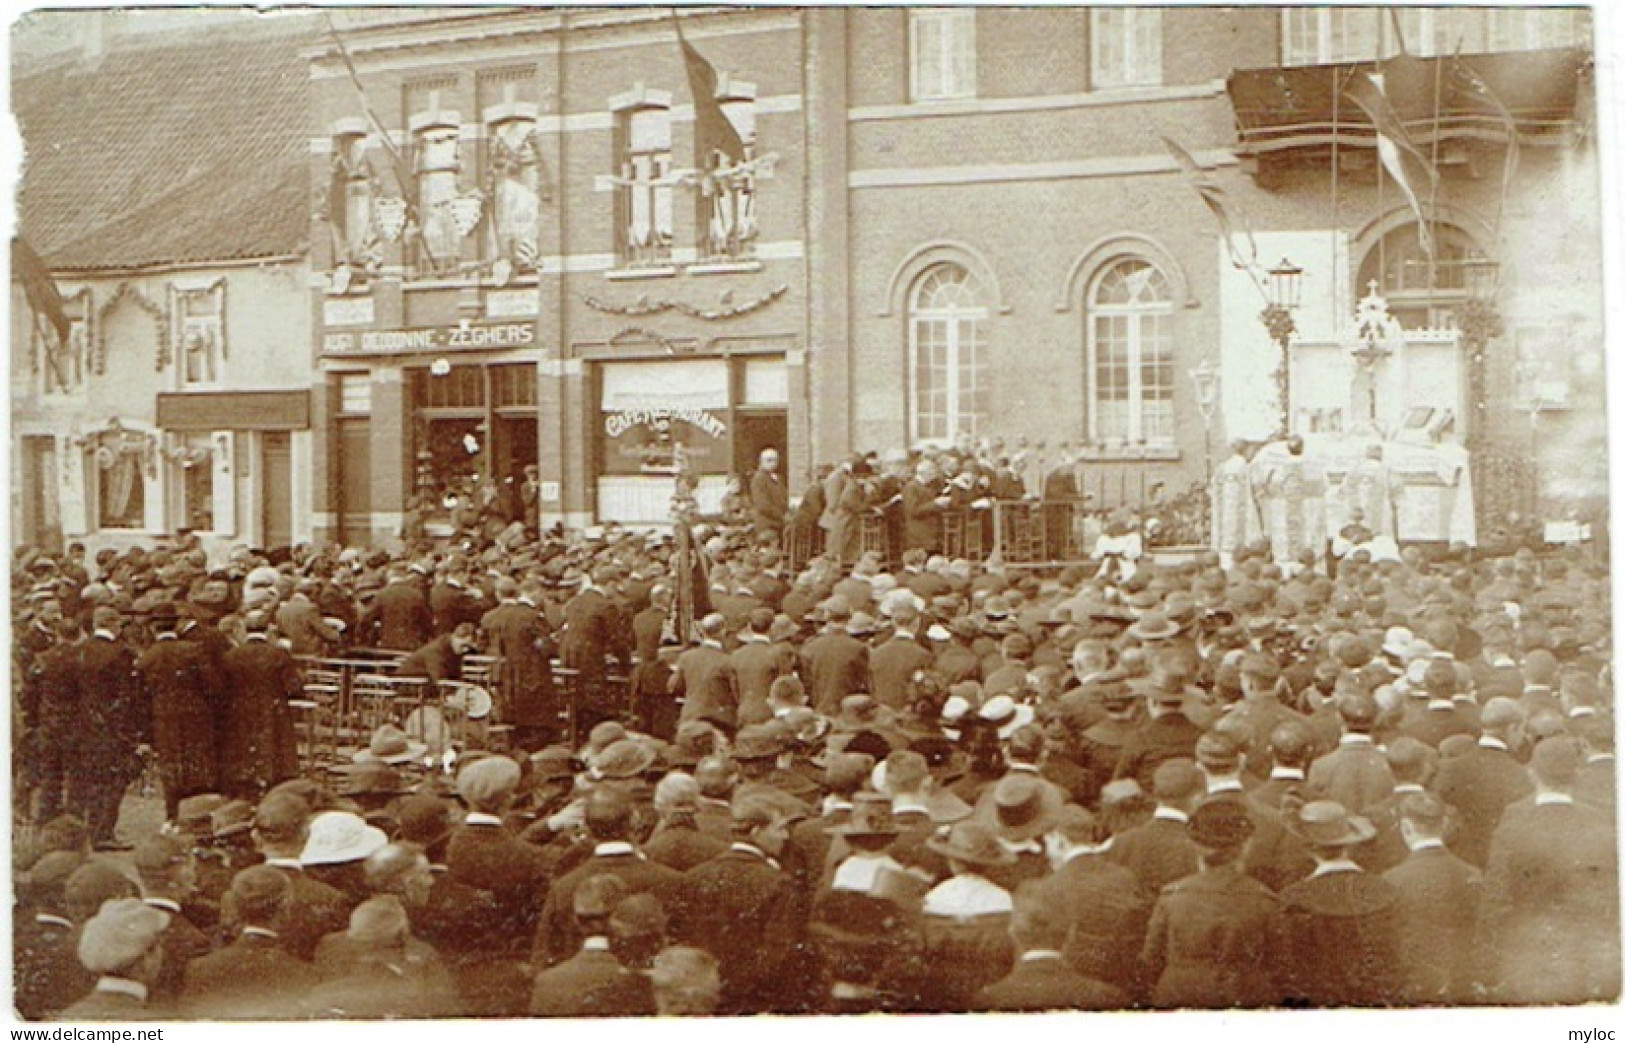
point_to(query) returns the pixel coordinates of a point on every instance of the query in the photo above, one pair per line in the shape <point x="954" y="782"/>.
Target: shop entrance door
<point x="515" y="447"/>
<point x="755" y="430"/>
<point x="276" y="491"/>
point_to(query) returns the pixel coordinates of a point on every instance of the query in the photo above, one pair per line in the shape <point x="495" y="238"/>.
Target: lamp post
<point x="1205" y="379"/>
<point x="1283" y="288"/>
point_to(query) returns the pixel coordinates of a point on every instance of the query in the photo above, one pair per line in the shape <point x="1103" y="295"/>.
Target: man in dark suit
<point x="834" y="664"/>
<point x="1159" y="851"/>
<point x="1042" y="979"/>
<point x="923" y="503"/>
<point x="704" y="679"/>
<point x="595" y="631"/>
<point x="168" y="877"/>
<point x="892" y="666"/>
<point x="399" y="617"/>
<point x="518" y="633"/>
<point x="300" y="621"/>
<point x="184" y="689"/>
<point x="741" y="908"/>
<point x="51" y="701"/>
<point x="1214" y="938"/>
<point x="1355" y="775"/>
<point x="483" y="853"/>
<point x="1165" y="734"/>
<point x="1438" y="717"/>
<point x="610" y="828"/>
<point x="1099" y="906"/>
<point x="1550" y="913"/>
<point x="1484" y="780"/>
<point x="1437" y="912"/>
<point x="757" y="663"/>
<point x="769" y="500"/>
<point x="281" y="826"/>
<point x="441" y="659"/>
<point x="593" y="982"/>
<point x="257" y="746"/>
<point x="453" y="601"/>
<point x="121" y="943"/>
<point x="1340" y="925"/>
<point x="254" y="976"/>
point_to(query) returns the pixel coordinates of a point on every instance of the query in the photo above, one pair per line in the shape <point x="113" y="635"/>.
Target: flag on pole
<point x="713" y="131"/>
<point x="1471" y="89"/>
<point x="44" y="299"/>
<point x="1404" y="162"/>
<point x="1225" y="211"/>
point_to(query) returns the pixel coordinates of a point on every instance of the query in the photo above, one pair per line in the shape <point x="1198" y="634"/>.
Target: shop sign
<point x="464" y="336"/>
<point x="644" y="441"/>
<point x="512" y="304"/>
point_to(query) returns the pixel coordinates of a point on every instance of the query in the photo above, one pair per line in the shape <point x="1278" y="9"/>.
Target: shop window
<point x="1321" y="35"/>
<point x="643" y="181"/>
<point x="513" y="387"/>
<point x="192" y="468"/>
<point x="1125" y="47"/>
<point x="942" y="46"/>
<point x="1130" y="356"/>
<point x="946" y="332"/>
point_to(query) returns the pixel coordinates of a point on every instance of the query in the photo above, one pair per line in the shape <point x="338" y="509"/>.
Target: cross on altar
<point x="1377" y="336"/>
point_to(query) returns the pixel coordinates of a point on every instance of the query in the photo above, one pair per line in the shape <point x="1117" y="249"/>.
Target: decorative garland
<point x="1479" y="323"/>
<point x="672" y="347"/>
<point x="644" y="306"/>
<point x="1278" y="321"/>
<point x="129" y="290"/>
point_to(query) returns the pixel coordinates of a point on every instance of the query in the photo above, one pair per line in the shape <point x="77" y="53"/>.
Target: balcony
<point x="1294" y="108"/>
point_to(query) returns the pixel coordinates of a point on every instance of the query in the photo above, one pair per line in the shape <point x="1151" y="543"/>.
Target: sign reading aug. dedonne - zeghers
<point x="430" y="338"/>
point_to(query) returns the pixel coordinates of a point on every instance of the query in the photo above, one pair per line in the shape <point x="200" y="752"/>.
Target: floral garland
<point x="644" y="306"/>
<point x="1479" y="323"/>
<point x="154" y="311"/>
<point x="1278" y="321"/>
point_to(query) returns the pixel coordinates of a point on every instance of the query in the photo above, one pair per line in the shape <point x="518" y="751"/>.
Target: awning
<point x="234" y="411"/>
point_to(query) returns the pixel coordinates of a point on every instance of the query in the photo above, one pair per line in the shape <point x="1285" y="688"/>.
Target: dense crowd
<point x="858" y="786"/>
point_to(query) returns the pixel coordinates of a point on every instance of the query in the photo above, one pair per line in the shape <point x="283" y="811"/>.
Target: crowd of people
<point x="928" y="785"/>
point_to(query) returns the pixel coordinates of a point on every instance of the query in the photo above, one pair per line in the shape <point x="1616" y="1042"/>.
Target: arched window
<point x="1421" y="290"/>
<point x="1131" y="355"/>
<point x="946" y="318"/>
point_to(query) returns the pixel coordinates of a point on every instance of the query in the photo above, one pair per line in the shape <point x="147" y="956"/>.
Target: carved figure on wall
<point x="515" y="191"/>
<point x="438" y="163"/>
<point x="351" y="192"/>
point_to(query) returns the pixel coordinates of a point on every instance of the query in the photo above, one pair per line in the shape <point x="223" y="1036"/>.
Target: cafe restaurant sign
<point x="643" y="440"/>
<point x="463" y="336"/>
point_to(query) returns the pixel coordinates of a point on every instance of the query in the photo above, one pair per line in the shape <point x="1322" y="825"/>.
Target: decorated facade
<point x="179" y="399"/>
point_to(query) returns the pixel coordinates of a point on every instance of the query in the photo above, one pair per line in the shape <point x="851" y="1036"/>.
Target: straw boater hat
<point x="871" y="818"/>
<point x="1022" y="807"/>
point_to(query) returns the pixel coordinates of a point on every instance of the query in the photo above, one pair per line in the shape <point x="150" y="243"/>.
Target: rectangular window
<point x="644" y="185"/>
<point x="1432" y="31"/>
<point x="1125" y="47"/>
<point x="1322" y="35"/>
<point x="355" y="393"/>
<point x="942" y="46"/>
<point x="1529" y="29"/>
<point x="194" y="483"/>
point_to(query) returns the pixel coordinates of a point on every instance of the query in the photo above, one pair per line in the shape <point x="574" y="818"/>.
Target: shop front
<point x="721" y="411"/>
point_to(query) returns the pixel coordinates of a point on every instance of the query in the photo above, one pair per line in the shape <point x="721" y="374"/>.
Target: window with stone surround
<point x="643" y="180"/>
<point x="1320" y="35"/>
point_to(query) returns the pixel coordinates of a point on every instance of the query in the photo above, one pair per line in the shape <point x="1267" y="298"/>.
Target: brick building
<point x="958" y="221"/>
<point x="172" y="214"/>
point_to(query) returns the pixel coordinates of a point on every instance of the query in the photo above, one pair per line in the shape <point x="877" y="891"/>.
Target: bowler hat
<point x="1329" y="824"/>
<point x="1219" y="824"/>
<point x="871" y="818"/>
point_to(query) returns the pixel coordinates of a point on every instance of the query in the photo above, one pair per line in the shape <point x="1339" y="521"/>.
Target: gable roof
<point x="171" y="154"/>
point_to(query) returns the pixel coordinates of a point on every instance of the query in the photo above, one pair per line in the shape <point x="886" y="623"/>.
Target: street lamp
<point x="1284" y="288"/>
<point x="1205" y="379"/>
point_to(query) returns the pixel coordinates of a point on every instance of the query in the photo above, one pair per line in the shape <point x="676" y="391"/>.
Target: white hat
<point x="938" y="632"/>
<point x="340" y="836"/>
<point x="1397" y="641"/>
